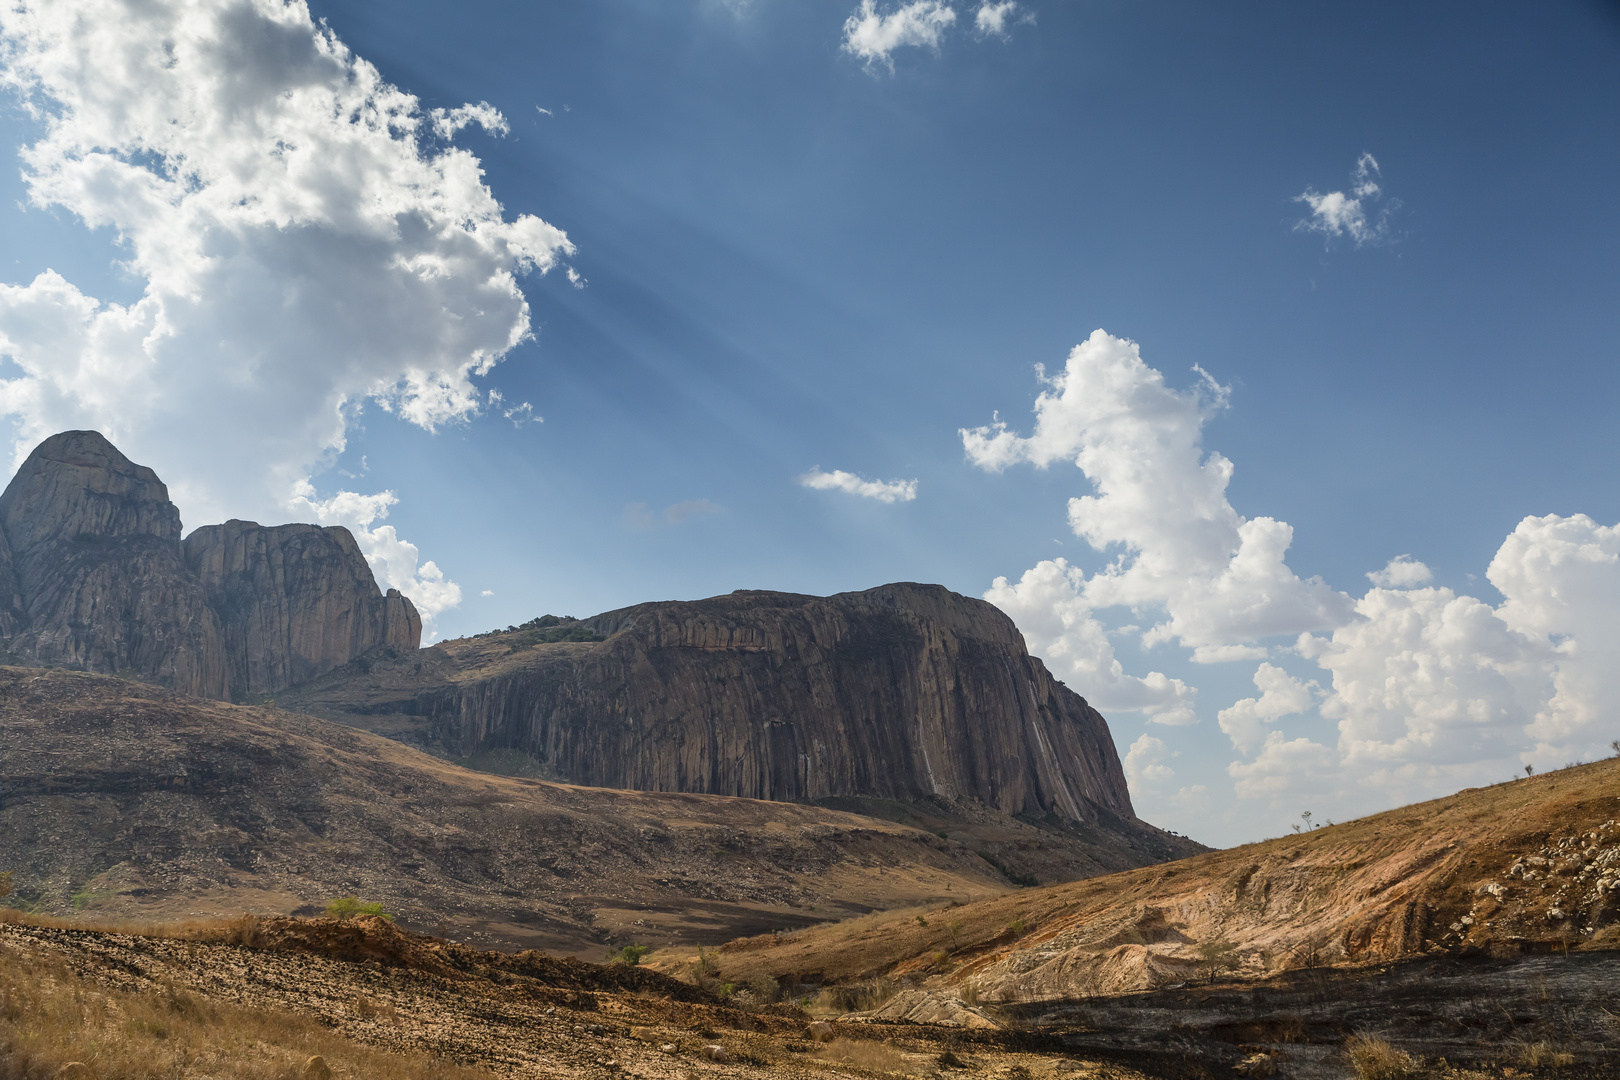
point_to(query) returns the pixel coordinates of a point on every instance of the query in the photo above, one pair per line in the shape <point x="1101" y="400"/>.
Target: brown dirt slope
<point x="1519" y="867"/>
<point x="119" y="799"/>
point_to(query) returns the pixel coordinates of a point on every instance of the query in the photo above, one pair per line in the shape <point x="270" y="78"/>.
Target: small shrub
<point x="631" y="954"/>
<point x="954" y="927"/>
<point x="345" y="908"/>
<point x="857" y="997"/>
<point x="762" y="988"/>
<point x="1018" y="927"/>
<point x="1373" y="1058"/>
<point x="920" y="920"/>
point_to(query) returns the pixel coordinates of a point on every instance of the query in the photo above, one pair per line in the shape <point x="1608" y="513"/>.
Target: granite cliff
<point x="294" y="601"/>
<point x="94" y="576"/>
<point x="878" y="701"/>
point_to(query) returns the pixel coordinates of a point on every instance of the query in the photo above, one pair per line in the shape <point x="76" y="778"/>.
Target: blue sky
<point x="794" y="257"/>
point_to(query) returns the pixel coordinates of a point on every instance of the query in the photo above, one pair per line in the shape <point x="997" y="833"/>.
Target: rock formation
<point x="903" y="692"/>
<point x="95" y="550"/>
<point x="93" y="575"/>
<point x="295" y="601"/>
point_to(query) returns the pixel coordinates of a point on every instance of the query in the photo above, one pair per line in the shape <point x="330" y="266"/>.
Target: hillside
<point x="1522" y="867"/>
<point x="119" y="799"/>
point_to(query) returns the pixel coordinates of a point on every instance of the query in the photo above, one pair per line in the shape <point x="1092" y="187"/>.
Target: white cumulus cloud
<point x="1159" y="500"/>
<point x="1145" y="763"/>
<point x="993" y="19"/>
<point x="1048" y="605"/>
<point x="1433" y="690"/>
<point x="1280" y="695"/>
<point x="1401" y="572"/>
<point x="873" y="36"/>
<point x="888" y="491"/>
<point x="1360" y="214"/>
<point x="307" y="241"/>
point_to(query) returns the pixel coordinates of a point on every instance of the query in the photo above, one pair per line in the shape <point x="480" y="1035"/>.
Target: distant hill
<point x="121" y="800"/>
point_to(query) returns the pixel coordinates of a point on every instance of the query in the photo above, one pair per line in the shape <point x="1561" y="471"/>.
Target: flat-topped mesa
<point x="902" y="692"/>
<point x="93" y="575"/>
<point x="296" y="601"/>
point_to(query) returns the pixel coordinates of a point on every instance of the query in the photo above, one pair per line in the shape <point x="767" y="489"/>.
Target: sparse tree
<point x="631" y="954"/>
<point x="1615" y="746"/>
<point x="345" y="908"/>
<point x="1219" y="955"/>
<point x="954" y="927"/>
<point x="1529" y="770"/>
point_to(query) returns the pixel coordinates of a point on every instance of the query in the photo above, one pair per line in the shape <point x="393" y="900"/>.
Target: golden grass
<point x="870" y="1056"/>
<point x="1544" y="1055"/>
<point x="49" y="1016"/>
<point x="1374" y="1058"/>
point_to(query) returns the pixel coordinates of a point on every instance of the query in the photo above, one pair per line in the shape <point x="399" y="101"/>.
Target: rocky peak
<point x="93" y="575"/>
<point x="79" y="484"/>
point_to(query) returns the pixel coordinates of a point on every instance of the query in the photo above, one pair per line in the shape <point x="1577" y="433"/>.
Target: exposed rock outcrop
<point x="93" y="575"/>
<point x="902" y="692"/>
<point x="295" y="601"/>
<point x="95" y="547"/>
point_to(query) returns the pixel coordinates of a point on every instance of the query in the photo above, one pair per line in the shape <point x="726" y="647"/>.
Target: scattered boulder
<point x="819" y="1031"/>
<point x="717" y="1054"/>
<point x="316" y="1068"/>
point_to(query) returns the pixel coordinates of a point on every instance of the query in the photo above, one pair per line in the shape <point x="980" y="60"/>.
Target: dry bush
<point x="49" y="1016"/>
<point x="1374" y="1058"/>
<point x="1543" y="1055"/>
<point x="871" y="1056"/>
<point x="857" y="997"/>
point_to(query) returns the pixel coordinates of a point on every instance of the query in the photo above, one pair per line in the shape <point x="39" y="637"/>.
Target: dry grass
<point x="1543" y="1055"/>
<point x="856" y="997"/>
<point x="870" y="1056"/>
<point x="1374" y="1058"/>
<point x="243" y="930"/>
<point x="50" y="1017"/>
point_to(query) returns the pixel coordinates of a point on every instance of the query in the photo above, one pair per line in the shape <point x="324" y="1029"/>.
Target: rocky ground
<point x="427" y="1001"/>
<point x="519" y="1016"/>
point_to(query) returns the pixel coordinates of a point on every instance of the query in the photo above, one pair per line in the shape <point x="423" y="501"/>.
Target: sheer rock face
<point x="93" y="575"/>
<point x="296" y="601"/>
<point x="101" y="584"/>
<point x="901" y="692"/>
